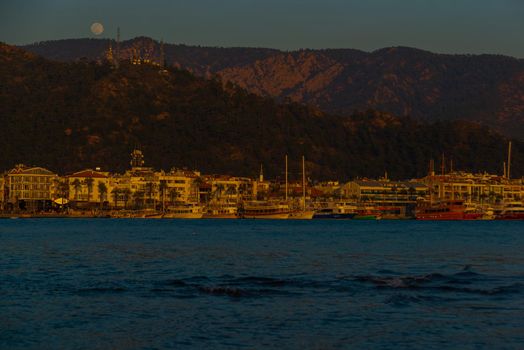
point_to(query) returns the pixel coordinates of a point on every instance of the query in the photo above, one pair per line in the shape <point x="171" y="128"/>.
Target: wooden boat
<point x="302" y="215"/>
<point x="264" y="210"/>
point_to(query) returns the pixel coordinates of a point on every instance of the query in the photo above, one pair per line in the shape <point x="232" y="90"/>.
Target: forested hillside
<point x="68" y="116"/>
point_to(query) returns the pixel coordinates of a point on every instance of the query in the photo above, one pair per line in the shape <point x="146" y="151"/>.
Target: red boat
<point x="445" y="210"/>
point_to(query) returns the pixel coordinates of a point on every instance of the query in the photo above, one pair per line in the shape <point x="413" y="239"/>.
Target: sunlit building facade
<point x="29" y="188"/>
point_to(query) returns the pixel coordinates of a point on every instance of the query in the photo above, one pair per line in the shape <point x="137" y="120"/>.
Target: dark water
<point x="138" y="284"/>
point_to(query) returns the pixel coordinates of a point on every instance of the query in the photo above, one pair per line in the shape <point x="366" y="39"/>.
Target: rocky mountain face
<point x="69" y="116"/>
<point x="407" y="82"/>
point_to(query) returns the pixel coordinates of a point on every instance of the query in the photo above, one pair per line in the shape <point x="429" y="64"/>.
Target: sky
<point x="444" y="26"/>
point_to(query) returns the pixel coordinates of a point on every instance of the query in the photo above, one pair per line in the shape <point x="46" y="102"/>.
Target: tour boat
<point x="445" y="210"/>
<point x="188" y="211"/>
<point x="338" y="210"/>
<point x="221" y="211"/>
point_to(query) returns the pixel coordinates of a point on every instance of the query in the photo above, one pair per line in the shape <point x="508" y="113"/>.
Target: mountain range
<point x="488" y="89"/>
<point x="71" y="115"/>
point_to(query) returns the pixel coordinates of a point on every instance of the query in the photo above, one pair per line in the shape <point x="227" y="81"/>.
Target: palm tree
<point x="162" y="187"/>
<point x="218" y="191"/>
<point x="173" y="194"/>
<point x="116" y="193"/>
<point x="150" y="190"/>
<point x="198" y="182"/>
<point x="231" y="190"/>
<point x="138" y="197"/>
<point x="102" y="191"/>
<point x="63" y="187"/>
<point x="242" y="189"/>
<point x="77" y="185"/>
<point x="491" y="196"/>
<point x="126" y="194"/>
<point x="89" y="183"/>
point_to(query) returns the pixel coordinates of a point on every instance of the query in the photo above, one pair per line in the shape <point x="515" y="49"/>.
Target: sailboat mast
<point x="286" y="178"/>
<point x="304" y="183"/>
<point x="509" y="160"/>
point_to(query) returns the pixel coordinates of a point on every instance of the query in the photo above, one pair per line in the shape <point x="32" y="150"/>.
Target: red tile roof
<point x="88" y="173"/>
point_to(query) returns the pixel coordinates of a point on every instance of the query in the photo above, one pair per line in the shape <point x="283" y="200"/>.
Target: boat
<point x="221" y="211"/>
<point x="264" y="210"/>
<point x="187" y="211"/>
<point x="302" y="215"/>
<point x="367" y="213"/>
<point x="445" y="210"/>
<point x="153" y="215"/>
<point x="487" y="214"/>
<point x="511" y="211"/>
<point x="340" y="210"/>
<point x="392" y="212"/>
<point x="472" y="212"/>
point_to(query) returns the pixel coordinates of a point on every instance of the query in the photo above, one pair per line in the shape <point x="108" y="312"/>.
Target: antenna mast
<point x="162" y="54"/>
<point x="117" y="53"/>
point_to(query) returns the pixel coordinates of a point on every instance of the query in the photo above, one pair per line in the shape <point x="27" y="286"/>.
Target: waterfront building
<point x="329" y="189"/>
<point x="225" y="188"/>
<point x="477" y="188"/>
<point x="88" y="188"/>
<point x="2" y="191"/>
<point x="29" y="188"/>
<point x="386" y="192"/>
<point x="179" y="186"/>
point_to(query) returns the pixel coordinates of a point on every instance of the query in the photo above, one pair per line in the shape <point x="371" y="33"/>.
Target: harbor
<point x="144" y="193"/>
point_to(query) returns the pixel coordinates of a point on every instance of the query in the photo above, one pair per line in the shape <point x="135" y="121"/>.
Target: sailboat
<point x="303" y="213"/>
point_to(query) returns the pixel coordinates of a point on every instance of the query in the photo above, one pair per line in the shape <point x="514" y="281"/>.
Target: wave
<point x="476" y="283"/>
<point x="465" y="281"/>
<point x="100" y="290"/>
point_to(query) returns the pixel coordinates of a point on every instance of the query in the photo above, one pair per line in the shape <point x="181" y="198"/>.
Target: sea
<point x="257" y="284"/>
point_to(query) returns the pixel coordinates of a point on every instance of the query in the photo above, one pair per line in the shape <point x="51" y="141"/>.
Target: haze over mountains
<point x="69" y="116"/>
<point x="403" y="81"/>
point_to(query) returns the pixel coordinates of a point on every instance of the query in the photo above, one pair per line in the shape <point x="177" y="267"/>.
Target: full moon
<point x="97" y="28"/>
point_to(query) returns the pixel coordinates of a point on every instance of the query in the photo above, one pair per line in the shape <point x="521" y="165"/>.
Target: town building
<point x="478" y="188"/>
<point x="2" y="191"/>
<point x="88" y="188"/>
<point x="30" y="188"/>
<point x="179" y="185"/>
<point x="386" y="192"/>
<point x="225" y="188"/>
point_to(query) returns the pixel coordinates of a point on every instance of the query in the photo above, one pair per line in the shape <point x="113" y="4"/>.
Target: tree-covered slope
<point x="68" y="116"/>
